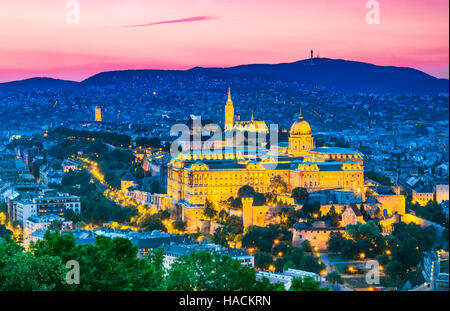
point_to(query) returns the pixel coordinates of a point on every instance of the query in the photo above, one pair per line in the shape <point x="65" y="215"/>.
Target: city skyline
<point x="235" y="146"/>
<point x="153" y="35"/>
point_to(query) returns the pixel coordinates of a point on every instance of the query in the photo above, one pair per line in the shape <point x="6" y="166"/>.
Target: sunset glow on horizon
<point x="36" y="40"/>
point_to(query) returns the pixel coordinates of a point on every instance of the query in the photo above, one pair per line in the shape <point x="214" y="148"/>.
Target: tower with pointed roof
<point x="98" y="114"/>
<point x="229" y="113"/>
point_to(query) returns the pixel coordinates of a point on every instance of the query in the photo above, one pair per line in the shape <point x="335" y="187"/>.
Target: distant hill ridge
<point x="336" y="74"/>
<point x="39" y="82"/>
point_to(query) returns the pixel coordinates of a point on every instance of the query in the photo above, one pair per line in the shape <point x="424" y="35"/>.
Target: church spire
<point x="252" y="117"/>
<point x="229" y="113"/>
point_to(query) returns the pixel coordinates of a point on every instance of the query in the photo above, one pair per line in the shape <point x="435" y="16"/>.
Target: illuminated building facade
<point x="195" y="176"/>
<point x="98" y="114"/>
<point x="422" y="196"/>
<point x="231" y="124"/>
<point x="48" y="202"/>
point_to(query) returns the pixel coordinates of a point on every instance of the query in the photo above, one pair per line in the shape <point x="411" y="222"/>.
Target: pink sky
<point x="35" y="39"/>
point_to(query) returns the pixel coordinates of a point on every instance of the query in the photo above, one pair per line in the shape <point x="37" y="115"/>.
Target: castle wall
<point x="258" y="215"/>
<point x="392" y="203"/>
<point x="316" y="236"/>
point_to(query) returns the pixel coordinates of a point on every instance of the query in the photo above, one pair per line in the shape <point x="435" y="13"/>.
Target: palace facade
<point x="195" y="176"/>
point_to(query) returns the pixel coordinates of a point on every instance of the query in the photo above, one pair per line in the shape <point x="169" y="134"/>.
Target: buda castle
<point x="197" y="175"/>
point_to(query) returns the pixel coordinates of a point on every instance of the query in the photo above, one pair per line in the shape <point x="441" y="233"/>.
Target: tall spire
<point x="300" y="116"/>
<point x="229" y="113"/>
<point x="252" y="117"/>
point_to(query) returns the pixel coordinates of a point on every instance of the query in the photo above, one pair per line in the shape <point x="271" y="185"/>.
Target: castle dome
<point x="300" y="127"/>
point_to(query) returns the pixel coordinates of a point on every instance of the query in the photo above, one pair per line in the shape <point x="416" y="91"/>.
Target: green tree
<point x="378" y="214"/>
<point x="22" y="271"/>
<point x="366" y="216"/>
<point x="382" y="179"/>
<point x="306" y="284"/>
<point x="288" y="217"/>
<point x="311" y="264"/>
<point x="263" y="260"/>
<point x="307" y="247"/>
<point x="425" y="237"/>
<point x="334" y="243"/>
<point x="155" y="186"/>
<point x="222" y="216"/>
<point x="203" y="271"/>
<point x="56" y="165"/>
<point x="265" y="285"/>
<point x="383" y="259"/>
<point x="109" y="264"/>
<point x="334" y="278"/>
<point x="311" y="209"/>
<point x="71" y="215"/>
<point x="349" y="249"/>
<point x="4" y="232"/>
<point x="432" y="211"/>
<point x="279" y="264"/>
<point x="220" y="236"/>
<point x="289" y="265"/>
<point x="209" y="211"/>
<point x="55" y="225"/>
<point x="295" y="256"/>
<point x="234" y="224"/>
<point x="145" y="142"/>
<point x="277" y="185"/>
<point x="395" y="270"/>
<point x="179" y="225"/>
<point x="263" y="238"/>
<point x="156" y="225"/>
<point x="367" y="238"/>
<point x="334" y="217"/>
<point x="300" y="194"/>
<point x="150" y="222"/>
<point x="246" y="191"/>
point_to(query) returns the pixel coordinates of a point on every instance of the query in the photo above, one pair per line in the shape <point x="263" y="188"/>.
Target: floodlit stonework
<point x="196" y="176"/>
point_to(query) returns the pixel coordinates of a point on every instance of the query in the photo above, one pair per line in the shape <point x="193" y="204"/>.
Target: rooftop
<point x="333" y="150"/>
